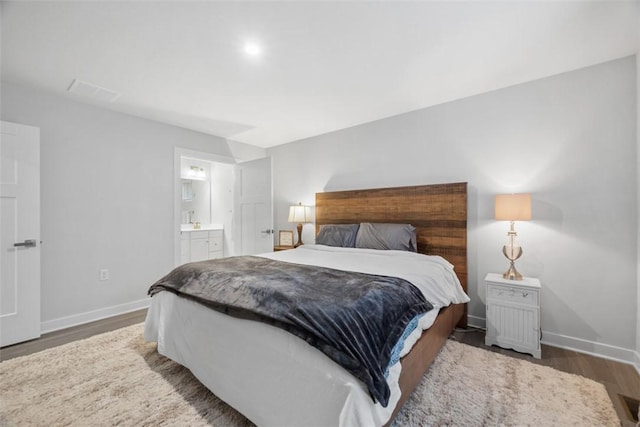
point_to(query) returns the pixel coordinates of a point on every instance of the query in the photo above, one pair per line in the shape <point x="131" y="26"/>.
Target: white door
<point x="253" y="213"/>
<point x="20" y="233"/>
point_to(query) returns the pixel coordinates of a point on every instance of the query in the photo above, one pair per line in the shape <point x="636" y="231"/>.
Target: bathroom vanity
<point x="201" y="244"/>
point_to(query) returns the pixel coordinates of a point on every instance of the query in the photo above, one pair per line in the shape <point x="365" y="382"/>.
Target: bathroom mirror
<point x="196" y="202"/>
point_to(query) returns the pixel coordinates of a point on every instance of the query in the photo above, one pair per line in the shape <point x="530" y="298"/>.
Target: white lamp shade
<point x="513" y="207"/>
<point x="300" y="214"/>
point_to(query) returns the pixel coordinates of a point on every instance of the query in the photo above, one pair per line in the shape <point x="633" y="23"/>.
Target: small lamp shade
<point x="513" y="207"/>
<point x="300" y="214"/>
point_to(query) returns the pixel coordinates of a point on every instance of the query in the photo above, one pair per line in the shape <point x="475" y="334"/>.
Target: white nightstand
<point x="513" y="313"/>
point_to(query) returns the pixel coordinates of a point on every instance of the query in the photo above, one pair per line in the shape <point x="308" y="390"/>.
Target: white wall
<point x="637" y="355"/>
<point x="107" y="201"/>
<point x="569" y="140"/>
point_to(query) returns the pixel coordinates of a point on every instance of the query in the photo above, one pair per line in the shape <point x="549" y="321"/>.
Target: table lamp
<point x="299" y="214"/>
<point x="513" y="207"/>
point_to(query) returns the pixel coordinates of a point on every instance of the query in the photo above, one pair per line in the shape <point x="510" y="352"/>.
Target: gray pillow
<point x="340" y="235"/>
<point x="401" y="237"/>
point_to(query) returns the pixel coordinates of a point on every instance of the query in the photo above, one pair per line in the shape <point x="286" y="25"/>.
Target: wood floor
<point x="619" y="379"/>
<point x="54" y="339"/>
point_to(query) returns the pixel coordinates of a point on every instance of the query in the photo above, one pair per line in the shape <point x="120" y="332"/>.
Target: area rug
<point x="119" y="379"/>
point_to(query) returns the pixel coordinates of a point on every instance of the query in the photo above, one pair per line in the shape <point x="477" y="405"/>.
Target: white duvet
<point x="275" y="378"/>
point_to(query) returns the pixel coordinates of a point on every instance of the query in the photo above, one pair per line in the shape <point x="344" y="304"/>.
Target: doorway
<point x="203" y="201"/>
<point x="222" y="207"/>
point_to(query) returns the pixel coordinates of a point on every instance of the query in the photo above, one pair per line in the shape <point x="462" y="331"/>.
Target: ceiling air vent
<point x="90" y="90"/>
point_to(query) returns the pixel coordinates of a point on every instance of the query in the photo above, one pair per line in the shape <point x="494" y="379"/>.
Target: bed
<point x="275" y="378"/>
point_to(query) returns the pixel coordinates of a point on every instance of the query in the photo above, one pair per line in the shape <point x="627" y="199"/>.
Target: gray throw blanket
<point x="354" y="318"/>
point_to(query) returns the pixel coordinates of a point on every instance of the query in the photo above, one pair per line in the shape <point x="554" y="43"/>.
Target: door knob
<point x="268" y="231"/>
<point x="31" y="243"/>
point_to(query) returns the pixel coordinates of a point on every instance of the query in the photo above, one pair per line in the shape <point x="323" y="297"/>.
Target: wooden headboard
<point x="439" y="213"/>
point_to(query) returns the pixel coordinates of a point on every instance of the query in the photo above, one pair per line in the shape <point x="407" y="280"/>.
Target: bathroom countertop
<point x="204" y="227"/>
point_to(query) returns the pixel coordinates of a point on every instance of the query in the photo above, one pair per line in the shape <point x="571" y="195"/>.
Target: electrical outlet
<point x="104" y="274"/>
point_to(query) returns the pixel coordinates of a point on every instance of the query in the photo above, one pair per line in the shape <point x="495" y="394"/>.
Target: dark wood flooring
<point x="621" y="380"/>
<point x="63" y="336"/>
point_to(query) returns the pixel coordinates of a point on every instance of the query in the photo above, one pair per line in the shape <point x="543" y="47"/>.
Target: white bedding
<point x="275" y="378"/>
<point x="433" y="275"/>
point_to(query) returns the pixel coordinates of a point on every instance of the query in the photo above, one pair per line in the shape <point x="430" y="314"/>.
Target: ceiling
<point x="324" y="65"/>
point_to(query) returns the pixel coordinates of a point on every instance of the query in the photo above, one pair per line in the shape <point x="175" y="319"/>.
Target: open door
<point x="19" y="233"/>
<point x="253" y="210"/>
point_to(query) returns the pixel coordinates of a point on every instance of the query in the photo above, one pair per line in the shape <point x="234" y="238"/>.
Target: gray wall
<point x="107" y="200"/>
<point x="569" y="140"/>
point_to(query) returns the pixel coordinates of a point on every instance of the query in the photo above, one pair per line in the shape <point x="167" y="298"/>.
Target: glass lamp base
<point x="512" y="273"/>
<point x="512" y="252"/>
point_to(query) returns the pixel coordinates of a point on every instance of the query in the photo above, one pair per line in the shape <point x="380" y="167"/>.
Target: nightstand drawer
<point x="511" y="294"/>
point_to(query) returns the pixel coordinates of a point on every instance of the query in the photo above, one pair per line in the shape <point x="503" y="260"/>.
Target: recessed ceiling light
<point x="252" y="49"/>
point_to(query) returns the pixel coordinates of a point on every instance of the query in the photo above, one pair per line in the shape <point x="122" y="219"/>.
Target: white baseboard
<point x="477" y="322"/>
<point x="636" y="361"/>
<point x="605" y="351"/>
<point x="91" y="316"/>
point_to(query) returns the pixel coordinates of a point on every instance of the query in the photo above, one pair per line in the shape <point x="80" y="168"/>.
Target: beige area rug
<point x="119" y="379"/>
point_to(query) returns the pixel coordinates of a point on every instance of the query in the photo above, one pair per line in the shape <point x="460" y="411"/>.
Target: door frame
<point x="177" y="189"/>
